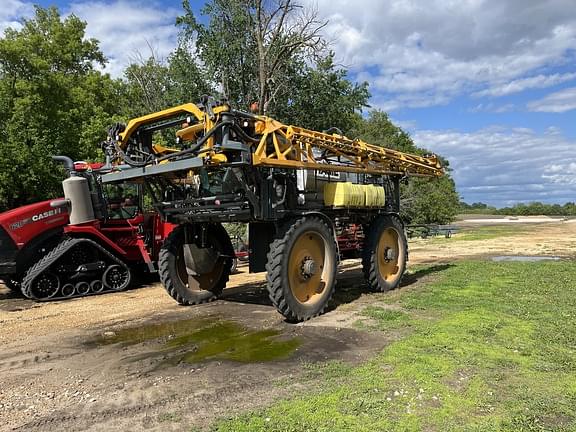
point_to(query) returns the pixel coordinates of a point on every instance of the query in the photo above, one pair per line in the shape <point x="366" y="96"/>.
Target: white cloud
<point x="11" y="12"/>
<point x="126" y="29"/>
<point x="491" y="107"/>
<point x="560" y="101"/>
<point x="441" y="49"/>
<point x="561" y="174"/>
<point x="501" y="166"/>
<point x="519" y="85"/>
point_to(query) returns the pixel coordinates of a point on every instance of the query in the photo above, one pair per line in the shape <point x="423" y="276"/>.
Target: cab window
<point x="122" y="201"/>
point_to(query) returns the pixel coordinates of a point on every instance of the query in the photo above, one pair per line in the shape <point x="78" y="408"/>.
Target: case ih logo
<point x="37" y="217"/>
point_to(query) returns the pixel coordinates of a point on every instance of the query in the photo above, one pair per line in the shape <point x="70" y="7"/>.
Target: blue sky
<point x="489" y="84"/>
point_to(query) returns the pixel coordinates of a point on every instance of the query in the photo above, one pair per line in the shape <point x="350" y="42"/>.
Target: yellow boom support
<point x="275" y="144"/>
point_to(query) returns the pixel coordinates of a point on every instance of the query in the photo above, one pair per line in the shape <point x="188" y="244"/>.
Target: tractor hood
<point x="25" y="223"/>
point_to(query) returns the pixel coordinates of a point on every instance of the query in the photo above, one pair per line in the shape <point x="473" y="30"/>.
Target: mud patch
<point x="523" y="258"/>
<point x="197" y="340"/>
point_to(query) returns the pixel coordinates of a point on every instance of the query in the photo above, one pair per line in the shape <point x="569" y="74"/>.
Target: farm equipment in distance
<point x="430" y="230"/>
<point x="48" y="252"/>
<point x="293" y="186"/>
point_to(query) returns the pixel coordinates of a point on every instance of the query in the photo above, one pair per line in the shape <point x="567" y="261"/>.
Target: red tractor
<point x="87" y="243"/>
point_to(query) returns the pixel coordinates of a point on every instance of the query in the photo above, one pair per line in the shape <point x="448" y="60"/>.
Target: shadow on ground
<point x="350" y="286"/>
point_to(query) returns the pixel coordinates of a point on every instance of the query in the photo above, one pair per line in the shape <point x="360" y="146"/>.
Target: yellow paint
<point x="286" y="146"/>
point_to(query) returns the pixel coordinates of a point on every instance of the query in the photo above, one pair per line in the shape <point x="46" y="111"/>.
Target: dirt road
<point x="136" y="360"/>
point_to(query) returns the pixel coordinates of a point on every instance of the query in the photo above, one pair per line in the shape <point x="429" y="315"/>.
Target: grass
<point x="169" y="417"/>
<point x="490" y="232"/>
<point x="492" y="347"/>
<point x="383" y="319"/>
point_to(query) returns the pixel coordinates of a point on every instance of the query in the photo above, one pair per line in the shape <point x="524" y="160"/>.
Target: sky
<point x="488" y="84"/>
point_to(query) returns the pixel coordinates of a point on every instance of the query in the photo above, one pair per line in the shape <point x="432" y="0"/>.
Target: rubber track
<point x="51" y="257"/>
<point x="166" y="280"/>
<point x="274" y="273"/>
<point x="369" y="265"/>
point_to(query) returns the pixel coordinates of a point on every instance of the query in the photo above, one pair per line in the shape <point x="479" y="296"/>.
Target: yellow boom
<point x="275" y="144"/>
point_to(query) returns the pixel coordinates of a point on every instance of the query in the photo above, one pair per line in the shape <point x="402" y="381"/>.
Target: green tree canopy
<point x="153" y="85"/>
<point x="320" y="97"/>
<point x="52" y="101"/>
<point x="423" y="201"/>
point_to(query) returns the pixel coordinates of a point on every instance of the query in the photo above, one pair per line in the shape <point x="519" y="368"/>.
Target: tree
<point x="154" y="84"/>
<point x="249" y="46"/>
<point x="378" y="129"/>
<point x="430" y="201"/>
<point x="424" y="201"/>
<point x="320" y="97"/>
<point x="52" y="101"/>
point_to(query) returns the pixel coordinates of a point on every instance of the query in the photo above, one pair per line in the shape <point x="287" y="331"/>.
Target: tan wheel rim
<point x="206" y="281"/>
<point x="309" y="267"/>
<point x="389" y="253"/>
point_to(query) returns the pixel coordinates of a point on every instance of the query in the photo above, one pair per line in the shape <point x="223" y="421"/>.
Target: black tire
<point x="383" y="272"/>
<point x="289" y="286"/>
<point x="172" y="268"/>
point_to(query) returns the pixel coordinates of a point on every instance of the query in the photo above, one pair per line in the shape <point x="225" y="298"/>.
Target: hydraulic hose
<point x="198" y="144"/>
<point x="131" y="161"/>
<point x="192" y="150"/>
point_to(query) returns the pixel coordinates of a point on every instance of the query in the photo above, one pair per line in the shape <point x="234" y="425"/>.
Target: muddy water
<point x="524" y="258"/>
<point x="196" y="340"/>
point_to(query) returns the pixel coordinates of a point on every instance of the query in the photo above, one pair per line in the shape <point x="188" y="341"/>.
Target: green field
<point x="483" y="346"/>
<point x="490" y="232"/>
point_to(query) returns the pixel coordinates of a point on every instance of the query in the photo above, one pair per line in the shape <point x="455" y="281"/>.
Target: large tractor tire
<point x="188" y="289"/>
<point x="301" y="269"/>
<point x="385" y="253"/>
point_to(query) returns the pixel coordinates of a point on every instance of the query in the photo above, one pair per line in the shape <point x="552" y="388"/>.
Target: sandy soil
<point x="55" y="376"/>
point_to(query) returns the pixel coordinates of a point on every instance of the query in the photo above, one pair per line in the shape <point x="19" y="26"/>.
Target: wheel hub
<point x="389" y="254"/>
<point x="46" y="286"/>
<point x="306" y="261"/>
<point x="309" y="267"/>
<point x="116" y="277"/>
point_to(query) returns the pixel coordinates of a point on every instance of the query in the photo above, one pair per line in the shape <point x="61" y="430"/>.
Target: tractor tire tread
<point x="166" y="253"/>
<point x="276" y="254"/>
<point x="369" y="261"/>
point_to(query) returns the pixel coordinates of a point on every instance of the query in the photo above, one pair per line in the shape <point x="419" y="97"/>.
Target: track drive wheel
<point x="190" y="289"/>
<point x="45" y="286"/>
<point x="116" y="278"/>
<point x="385" y="253"/>
<point x="301" y="269"/>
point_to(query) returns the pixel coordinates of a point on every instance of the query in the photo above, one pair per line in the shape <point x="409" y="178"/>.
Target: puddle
<point x="196" y="340"/>
<point x="522" y="258"/>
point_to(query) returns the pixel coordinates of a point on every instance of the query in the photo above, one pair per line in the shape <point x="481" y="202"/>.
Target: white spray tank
<point x="76" y="194"/>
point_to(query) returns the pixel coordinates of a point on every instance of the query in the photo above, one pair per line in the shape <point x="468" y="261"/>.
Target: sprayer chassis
<point x="292" y="233"/>
<point x="294" y="187"/>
